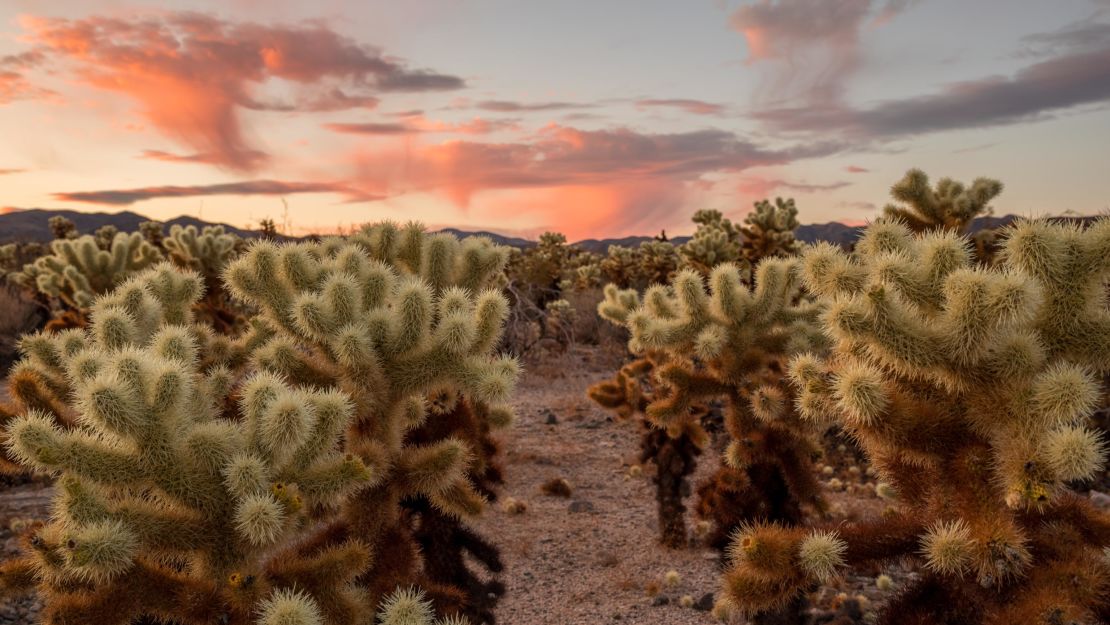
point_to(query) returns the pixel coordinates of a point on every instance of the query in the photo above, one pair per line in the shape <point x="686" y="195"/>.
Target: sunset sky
<point x="595" y="117"/>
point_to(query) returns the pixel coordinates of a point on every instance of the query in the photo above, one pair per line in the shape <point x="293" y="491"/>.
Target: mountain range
<point x="31" y="225"/>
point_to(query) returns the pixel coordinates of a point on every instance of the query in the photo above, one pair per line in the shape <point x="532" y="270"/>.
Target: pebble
<point x="706" y="602"/>
<point x="580" y="506"/>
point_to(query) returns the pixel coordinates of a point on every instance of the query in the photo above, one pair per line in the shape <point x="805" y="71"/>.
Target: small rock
<point x="551" y="418"/>
<point x="580" y="506"/>
<point x="660" y="600"/>
<point x="705" y="604"/>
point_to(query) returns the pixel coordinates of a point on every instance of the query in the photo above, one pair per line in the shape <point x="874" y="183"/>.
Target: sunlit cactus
<point x="402" y="322"/>
<point x="949" y="206"/>
<point x="769" y="230"/>
<point x="410" y="606"/>
<point x="207" y="252"/>
<point x="165" y="507"/>
<point x="78" y="270"/>
<point x="970" y="388"/>
<point x="729" y="342"/>
<point x="653" y="262"/>
<point x="657" y="263"/>
<point x="716" y="241"/>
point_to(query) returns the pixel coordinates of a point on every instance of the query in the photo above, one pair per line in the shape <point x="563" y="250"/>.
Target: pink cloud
<point x="192" y="73"/>
<point x="760" y="187"/>
<point x="856" y="169"/>
<point x="814" y="45"/>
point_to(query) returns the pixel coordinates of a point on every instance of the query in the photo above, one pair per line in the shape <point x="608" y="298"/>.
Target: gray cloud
<point x="1034" y="92"/>
<point x="123" y="197"/>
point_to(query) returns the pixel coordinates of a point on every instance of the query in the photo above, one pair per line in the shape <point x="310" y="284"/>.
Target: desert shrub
<point x="18" y="315"/>
<point x="970" y="388"/>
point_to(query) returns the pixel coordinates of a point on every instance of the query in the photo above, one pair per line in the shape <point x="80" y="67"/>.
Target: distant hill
<point x="497" y="238"/>
<point x="31" y="225"/>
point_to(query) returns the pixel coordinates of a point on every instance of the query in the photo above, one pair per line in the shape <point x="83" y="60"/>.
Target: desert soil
<point x="591" y="557"/>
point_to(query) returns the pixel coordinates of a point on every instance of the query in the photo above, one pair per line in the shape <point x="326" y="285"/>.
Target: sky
<point x="596" y="118"/>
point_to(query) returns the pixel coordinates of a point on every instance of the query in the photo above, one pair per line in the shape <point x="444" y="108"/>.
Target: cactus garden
<point x="738" y="312"/>
<point x="398" y="426"/>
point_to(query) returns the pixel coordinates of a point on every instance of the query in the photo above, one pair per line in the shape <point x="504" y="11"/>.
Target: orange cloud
<point x="618" y="179"/>
<point x="191" y="73"/>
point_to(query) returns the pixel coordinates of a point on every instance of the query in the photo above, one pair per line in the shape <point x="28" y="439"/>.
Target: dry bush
<point x="18" y="315"/>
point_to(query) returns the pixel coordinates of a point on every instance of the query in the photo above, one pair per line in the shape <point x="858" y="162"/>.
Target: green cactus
<point x="730" y="343"/>
<point x="208" y="252"/>
<point x="716" y="241"/>
<point x="164" y="507"/>
<point x="769" y="230"/>
<point x="657" y="263"/>
<point x="970" y="388"/>
<point x="393" y="317"/>
<point x="950" y="206"/>
<point x="77" y="271"/>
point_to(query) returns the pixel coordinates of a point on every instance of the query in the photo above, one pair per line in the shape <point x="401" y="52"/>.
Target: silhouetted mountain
<point x="497" y="238"/>
<point x="31" y="224"/>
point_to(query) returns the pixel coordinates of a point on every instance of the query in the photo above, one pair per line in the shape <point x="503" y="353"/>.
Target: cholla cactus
<point x="716" y="241"/>
<point x="970" y="389"/>
<point x="657" y="263"/>
<point x="78" y="270"/>
<point x="152" y="232"/>
<point x="207" y="252"/>
<point x="950" y="206"/>
<point x="410" y="606"/>
<point x="769" y="230"/>
<point x="401" y="322"/>
<point x="653" y="262"/>
<point x="40" y="380"/>
<point x="166" y="509"/>
<point x="619" y="266"/>
<point x="62" y="227"/>
<point x="729" y="343"/>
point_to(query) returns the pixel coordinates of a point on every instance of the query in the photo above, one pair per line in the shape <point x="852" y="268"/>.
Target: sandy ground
<point x="590" y="566"/>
